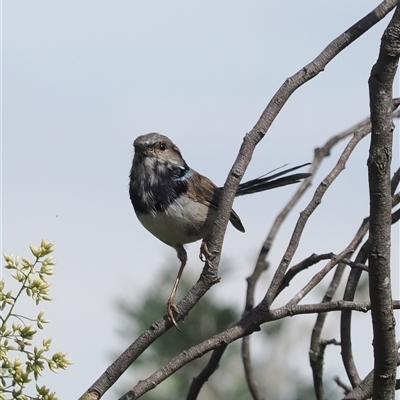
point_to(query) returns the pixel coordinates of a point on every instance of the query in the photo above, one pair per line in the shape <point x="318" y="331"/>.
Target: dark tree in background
<point x="216" y="330"/>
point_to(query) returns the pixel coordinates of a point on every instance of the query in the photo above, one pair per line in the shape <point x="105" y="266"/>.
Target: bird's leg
<point x="171" y="307"/>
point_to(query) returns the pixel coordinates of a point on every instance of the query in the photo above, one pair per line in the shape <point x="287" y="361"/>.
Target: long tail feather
<point x="270" y="182"/>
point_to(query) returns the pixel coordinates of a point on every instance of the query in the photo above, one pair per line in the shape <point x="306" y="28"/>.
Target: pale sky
<point x="81" y="80"/>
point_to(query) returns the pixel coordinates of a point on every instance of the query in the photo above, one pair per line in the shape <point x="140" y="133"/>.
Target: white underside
<point x="183" y="222"/>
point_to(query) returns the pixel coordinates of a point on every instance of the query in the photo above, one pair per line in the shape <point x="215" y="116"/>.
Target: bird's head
<point x="157" y="152"/>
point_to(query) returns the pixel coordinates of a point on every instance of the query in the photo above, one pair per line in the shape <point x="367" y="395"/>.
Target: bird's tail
<point x="272" y="181"/>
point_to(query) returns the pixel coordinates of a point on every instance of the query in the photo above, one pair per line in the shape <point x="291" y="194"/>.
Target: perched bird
<point x="177" y="204"/>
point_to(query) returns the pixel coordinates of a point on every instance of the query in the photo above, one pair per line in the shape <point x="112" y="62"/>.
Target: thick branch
<point x="379" y="162"/>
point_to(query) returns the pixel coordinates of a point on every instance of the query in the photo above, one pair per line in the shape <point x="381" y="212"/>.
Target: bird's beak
<point x="140" y="148"/>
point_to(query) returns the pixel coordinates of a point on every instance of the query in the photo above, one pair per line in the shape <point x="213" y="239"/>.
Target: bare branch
<point x="209" y="369"/>
<point x="317" y="346"/>
<point x="354" y="264"/>
<point x="349" y="293"/>
<point x="321" y="274"/>
<point x="341" y="384"/>
<point x="365" y="388"/>
<point x="304" y="215"/>
<point x="345" y="322"/>
<point x="301" y="266"/>
<point x="251" y="382"/>
<point x="379" y="161"/>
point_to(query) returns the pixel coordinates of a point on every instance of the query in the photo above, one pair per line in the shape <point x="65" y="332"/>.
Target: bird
<point x="177" y="204"/>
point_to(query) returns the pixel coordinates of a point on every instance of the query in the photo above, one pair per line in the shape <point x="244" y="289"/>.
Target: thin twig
<point x="317" y="346"/>
<point x="345" y="321"/>
<point x="248" y="368"/>
<point x="209" y="369"/>
<point x="324" y="271"/>
<point x="301" y="266"/>
<point x="341" y="384"/>
<point x="354" y="264"/>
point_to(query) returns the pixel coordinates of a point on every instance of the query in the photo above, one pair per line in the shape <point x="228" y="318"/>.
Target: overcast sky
<point x="81" y="80"/>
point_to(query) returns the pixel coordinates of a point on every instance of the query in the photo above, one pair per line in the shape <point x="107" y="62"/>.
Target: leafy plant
<point x="22" y="362"/>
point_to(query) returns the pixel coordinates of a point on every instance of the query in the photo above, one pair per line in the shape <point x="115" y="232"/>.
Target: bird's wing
<point x="204" y="191"/>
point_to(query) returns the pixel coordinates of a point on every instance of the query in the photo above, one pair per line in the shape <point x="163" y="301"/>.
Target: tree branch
<point x="349" y="294"/>
<point x="379" y="161"/>
<point x="209" y="369"/>
<point x="364" y="389"/>
<point x="248" y="369"/>
<point x="317" y="347"/>
<point x="345" y="321"/>
<point x="301" y="266"/>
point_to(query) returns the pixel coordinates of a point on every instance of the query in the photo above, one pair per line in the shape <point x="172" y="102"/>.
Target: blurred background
<point x="81" y="80"/>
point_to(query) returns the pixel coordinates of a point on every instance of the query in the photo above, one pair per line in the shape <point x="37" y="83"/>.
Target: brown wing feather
<point x="204" y="191"/>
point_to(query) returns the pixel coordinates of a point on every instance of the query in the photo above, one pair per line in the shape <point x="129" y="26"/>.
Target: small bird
<point x="177" y="204"/>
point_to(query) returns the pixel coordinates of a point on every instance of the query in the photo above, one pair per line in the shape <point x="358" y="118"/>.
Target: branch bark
<point x="379" y="162"/>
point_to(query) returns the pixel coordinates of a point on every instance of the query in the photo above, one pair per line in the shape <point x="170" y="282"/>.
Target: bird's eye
<point x="162" y="146"/>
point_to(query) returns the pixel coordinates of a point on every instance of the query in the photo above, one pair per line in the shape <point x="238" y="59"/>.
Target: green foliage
<point x="20" y="360"/>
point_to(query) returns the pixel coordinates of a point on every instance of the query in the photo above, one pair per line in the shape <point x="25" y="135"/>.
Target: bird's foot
<point x="205" y="254"/>
<point x="171" y="309"/>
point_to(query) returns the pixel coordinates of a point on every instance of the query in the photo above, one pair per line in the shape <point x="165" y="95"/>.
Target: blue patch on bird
<point x="187" y="175"/>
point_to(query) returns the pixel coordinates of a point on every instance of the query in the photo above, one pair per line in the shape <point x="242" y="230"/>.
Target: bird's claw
<point x="205" y="254"/>
<point x="171" y="309"/>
